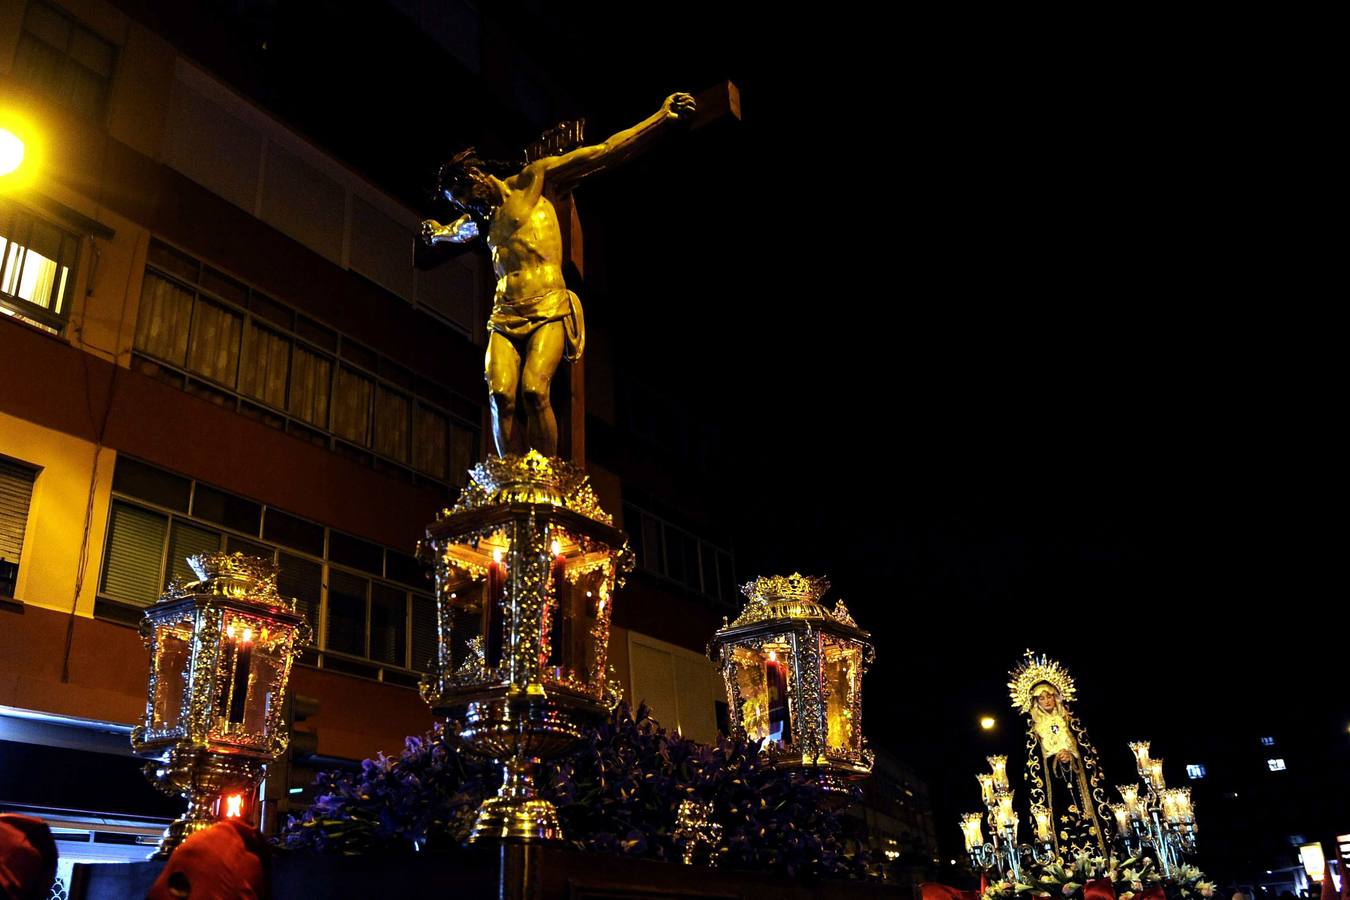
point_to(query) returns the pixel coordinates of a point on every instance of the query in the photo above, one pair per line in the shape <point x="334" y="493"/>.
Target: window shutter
<point x="188" y="540"/>
<point x="16" y="492"/>
<point x="135" y="548"/>
<point x="423" y="632"/>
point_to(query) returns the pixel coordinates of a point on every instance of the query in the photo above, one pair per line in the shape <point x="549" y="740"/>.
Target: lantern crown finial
<point x="798" y="587"/>
<point x="251" y="579"/>
<point x="532" y="478"/>
<point x="787" y="597"/>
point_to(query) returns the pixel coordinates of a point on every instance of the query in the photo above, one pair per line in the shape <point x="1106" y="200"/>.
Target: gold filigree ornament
<point x="1034" y="670"/>
<point x="789" y="597"/>
<point x="532" y="478"/>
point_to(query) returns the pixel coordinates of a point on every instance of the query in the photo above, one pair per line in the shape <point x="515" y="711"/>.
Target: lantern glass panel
<point x="762" y="678"/>
<point x="463" y="621"/>
<point x="842" y="665"/>
<point x="572" y="652"/>
<point x="173" y="655"/>
<point x="253" y="661"/>
<point x="754" y="693"/>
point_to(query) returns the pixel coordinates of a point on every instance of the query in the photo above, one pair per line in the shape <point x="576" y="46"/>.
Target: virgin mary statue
<point x="1063" y="774"/>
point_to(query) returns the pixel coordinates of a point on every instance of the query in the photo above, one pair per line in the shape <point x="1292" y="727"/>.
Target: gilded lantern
<point x="793" y="673"/>
<point x="526" y="567"/>
<point x="221" y="650"/>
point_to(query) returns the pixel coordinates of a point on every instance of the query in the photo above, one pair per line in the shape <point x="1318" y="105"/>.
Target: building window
<point x="679" y="687"/>
<point x="365" y="602"/>
<point x="1275" y="765"/>
<point x="16" y="492"/>
<point x="665" y="549"/>
<point x="62" y="59"/>
<point x="1195" y="771"/>
<point x="206" y="332"/>
<point x="37" y="269"/>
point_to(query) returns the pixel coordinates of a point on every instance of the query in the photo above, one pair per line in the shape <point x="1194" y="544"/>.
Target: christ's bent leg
<point x="503" y="373"/>
<point x="542" y="354"/>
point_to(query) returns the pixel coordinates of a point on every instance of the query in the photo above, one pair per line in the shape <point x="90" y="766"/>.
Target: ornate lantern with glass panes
<point x="793" y="673"/>
<point x="526" y="567"/>
<point x="221" y="650"/>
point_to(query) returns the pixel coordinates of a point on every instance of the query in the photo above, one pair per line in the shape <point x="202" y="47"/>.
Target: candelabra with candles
<point x="1162" y="821"/>
<point x="1002" y="851"/>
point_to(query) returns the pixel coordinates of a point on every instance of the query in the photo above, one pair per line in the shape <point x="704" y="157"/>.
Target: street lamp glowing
<point x="11" y="151"/>
<point x="987" y="723"/>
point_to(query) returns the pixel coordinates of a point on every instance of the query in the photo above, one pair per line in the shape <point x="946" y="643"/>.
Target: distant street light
<point x="988" y="723"/>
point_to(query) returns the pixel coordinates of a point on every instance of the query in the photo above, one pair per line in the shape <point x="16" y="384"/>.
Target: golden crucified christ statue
<point x="535" y="318"/>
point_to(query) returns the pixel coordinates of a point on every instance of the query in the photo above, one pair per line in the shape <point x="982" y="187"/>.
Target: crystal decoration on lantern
<point x="221" y="650"/>
<point x="526" y="567"/>
<point x="793" y="672"/>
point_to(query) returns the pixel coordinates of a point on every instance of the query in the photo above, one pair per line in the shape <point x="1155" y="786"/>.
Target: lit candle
<point x="1176" y="804"/>
<point x="239" y="688"/>
<point x="1130" y="794"/>
<point x="1184" y="808"/>
<point x="1006" y="818"/>
<point x="496" y="596"/>
<point x="1122" y="817"/>
<point x="970" y="828"/>
<point x="1140" y="751"/>
<point x="986" y="789"/>
<point x="1155" y="775"/>
<point x="1042" y="818"/>
<point x="559" y="578"/>
<point x="775" y="677"/>
<point x="999" y="765"/>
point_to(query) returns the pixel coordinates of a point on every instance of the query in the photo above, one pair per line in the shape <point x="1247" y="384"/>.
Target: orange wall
<point x="108" y="668"/>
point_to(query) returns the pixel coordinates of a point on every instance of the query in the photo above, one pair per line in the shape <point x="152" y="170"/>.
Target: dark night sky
<point x="970" y="299"/>
<point x="989" y="312"/>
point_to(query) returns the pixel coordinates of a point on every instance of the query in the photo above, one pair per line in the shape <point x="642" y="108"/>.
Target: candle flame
<point x="556" y="546"/>
<point x="496" y="554"/>
<point x="234" y="806"/>
<point x="248" y="634"/>
<point x="773" y="656"/>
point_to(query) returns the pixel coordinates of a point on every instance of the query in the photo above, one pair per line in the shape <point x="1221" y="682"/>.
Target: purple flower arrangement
<point x="618" y="793"/>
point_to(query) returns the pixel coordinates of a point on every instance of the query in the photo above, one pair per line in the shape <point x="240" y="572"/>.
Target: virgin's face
<point x="1046" y="701"/>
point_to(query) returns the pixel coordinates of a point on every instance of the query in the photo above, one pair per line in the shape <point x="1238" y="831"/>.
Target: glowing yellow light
<point x="229" y="630"/>
<point x="21" y="151"/>
<point x="1314" y="861"/>
<point x="234" y="806"/>
<point x="248" y="634"/>
<point x="773" y="656"/>
<point x="11" y="151"/>
<point x="497" y="555"/>
<point x="556" y="547"/>
<point x="987" y="723"/>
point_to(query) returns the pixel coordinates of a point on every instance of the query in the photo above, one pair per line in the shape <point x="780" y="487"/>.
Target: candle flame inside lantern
<point x="234" y="806"/>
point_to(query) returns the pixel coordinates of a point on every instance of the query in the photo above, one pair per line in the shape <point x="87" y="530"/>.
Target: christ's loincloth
<point x="518" y="319"/>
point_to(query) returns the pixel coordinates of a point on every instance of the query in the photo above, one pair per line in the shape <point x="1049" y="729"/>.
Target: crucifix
<point x="536" y="321"/>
